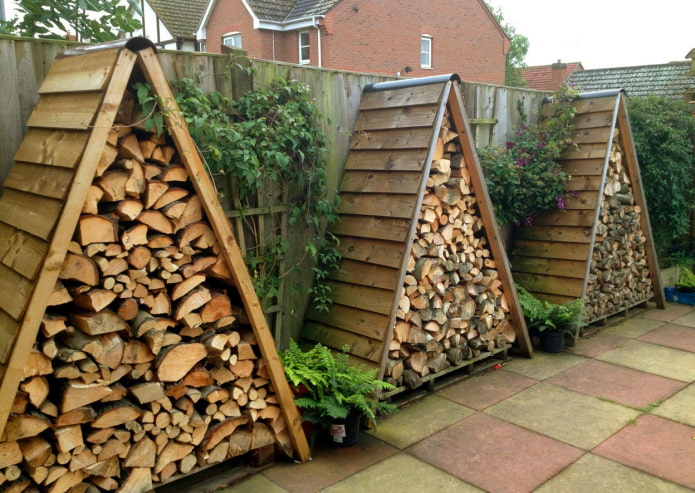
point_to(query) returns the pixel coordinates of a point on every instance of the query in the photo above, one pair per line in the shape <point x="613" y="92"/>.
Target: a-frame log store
<point x="133" y="348"/>
<point x="600" y="248"/>
<point x="424" y="285"/>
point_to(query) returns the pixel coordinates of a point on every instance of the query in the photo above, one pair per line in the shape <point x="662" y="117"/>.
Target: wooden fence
<point x="492" y="110"/>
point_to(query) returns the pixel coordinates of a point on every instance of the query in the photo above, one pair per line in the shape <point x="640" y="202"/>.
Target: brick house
<point x="406" y="37"/>
<point x="549" y="77"/>
<point x="172" y="24"/>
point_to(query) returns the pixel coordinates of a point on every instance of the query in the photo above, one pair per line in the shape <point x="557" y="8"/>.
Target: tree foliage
<point x="89" y="20"/>
<point x="516" y="55"/>
<point x="664" y="134"/>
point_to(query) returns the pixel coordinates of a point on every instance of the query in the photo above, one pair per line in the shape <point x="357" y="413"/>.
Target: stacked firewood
<point x="452" y="306"/>
<point x="146" y="366"/>
<point x="619" y="272"/>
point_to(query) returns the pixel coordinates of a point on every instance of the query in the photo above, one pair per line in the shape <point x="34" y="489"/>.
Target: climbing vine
<point x="268" y="141"/>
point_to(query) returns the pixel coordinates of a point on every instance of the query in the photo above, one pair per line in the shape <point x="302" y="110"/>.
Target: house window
<point x="304" y="56"/>
<point x="426" y="51"/>
<point x="233" y="40"/>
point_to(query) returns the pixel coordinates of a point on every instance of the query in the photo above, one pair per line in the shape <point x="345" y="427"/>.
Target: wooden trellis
<point x="71" y="144"/>
<point x="600" y="248"/>
<point x="401" y="130"/>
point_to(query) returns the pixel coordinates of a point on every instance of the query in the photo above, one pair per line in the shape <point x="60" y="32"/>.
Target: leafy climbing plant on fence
<point x="269" y="144"/>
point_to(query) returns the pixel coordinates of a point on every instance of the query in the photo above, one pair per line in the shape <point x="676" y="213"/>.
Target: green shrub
<point x="524" y="178"/>
<point x="663" y="130"/>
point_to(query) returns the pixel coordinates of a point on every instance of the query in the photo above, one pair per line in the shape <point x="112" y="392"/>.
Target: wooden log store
<point x="133" y="348"/>
<point x="600" y="247"/>
<point x="424" y="286"/>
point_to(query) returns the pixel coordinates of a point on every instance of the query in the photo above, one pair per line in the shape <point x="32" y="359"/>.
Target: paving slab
<point x="571" y="417"/>
<point x="402" y="473"/>
<point x="633" y="327"/>
<point x="598" y="343"/>
<point x="671" y="312"/>
<point x="484" y="390"/>
<point x="543" y="365"/>
<point x="657" y="446"/>
<point x="653" y="358"/>
<point x="494" y="455"/>
<point x="617" y="383"/>
<point x="329" y="465"/>
<point x="688" y="319"/>
<point x="595" y="474"/>
<point x="419" y="420"/>
<point x="680" y="407"/>
<point x="672" y="335"/>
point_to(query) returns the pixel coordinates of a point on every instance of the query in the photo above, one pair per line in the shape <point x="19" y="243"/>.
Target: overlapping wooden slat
<point x="21" y="251"/>
<point x="396" y="98"/>
<point x="404" y="117"/>
<point x="52" y="147"/>
<point x="367" y="349"/>
<point x="387" y="160"/>
<point x="80" y="74"/>
<point x="539" y="265"/>
<point x="544" y="284"/>
<point x="366" y="274"/>
<point x="409" y="138"/>
<point x="15" y="291"/>
<point x="68" y="110"/>
<point x="381" y="181"/>
<point x="377" y="228"/>
<point x="550" y="233"/>
<point x="49" y="181"/>
<point x="378" y="204"/>
<point x="371" y="250"/>
<point x="361" y="322"/>
<point x="549" y="249"/>
<point x="31" y="213"/>
<point x="374" y="300"/>
<point x="566" y="218"/>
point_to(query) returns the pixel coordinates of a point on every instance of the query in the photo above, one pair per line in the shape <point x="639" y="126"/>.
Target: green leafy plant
<point x="334" y="388"/>
<point x="271" y="143"/>
<point x="663" y="130"/>
<point x="270" y="139"/>
<point x="686" y="280"/>
<point x="89" y="20"/>
<point x="524" y="178"/>
<point x="541" y="315"/>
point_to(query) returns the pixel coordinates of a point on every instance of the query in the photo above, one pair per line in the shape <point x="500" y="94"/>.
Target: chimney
<point x="557" y="77"/>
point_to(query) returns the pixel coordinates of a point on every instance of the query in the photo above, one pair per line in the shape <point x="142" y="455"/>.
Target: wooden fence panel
<point x="24" y="63"/>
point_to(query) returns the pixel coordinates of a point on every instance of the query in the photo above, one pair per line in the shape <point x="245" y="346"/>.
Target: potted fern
<point x="550" y="322"/>
<point x="336" y="395"/>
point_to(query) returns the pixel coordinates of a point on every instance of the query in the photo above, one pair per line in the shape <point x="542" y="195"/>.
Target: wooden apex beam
<point x="231" y="253"/>
<point x="491" y="228"/>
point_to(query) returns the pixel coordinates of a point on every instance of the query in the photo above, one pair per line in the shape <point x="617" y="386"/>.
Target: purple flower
<point x="561" y="202"/>
<point x="528" y="221"/>
<point x="575" y="194"/>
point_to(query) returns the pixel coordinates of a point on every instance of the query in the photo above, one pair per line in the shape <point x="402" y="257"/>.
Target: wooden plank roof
<point x="393" y="142"/>
<point x="68" y="131"/>
<point x="552" y="257"/>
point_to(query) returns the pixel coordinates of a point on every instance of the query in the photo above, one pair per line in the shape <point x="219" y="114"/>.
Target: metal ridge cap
<point x="414" y="82"/>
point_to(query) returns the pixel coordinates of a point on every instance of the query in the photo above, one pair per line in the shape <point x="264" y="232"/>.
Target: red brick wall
<point x="382" y="37"/>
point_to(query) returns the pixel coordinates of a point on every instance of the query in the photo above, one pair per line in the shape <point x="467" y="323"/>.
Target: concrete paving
<point x="614" y="413"/>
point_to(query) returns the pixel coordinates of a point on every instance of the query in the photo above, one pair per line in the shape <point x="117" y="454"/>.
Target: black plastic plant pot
<point x="552" y="341"/>
<point x="346" y="432"/>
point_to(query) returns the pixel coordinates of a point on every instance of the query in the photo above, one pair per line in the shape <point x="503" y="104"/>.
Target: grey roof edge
<point x="405" y="83"/>
<point x="593" y="94"/>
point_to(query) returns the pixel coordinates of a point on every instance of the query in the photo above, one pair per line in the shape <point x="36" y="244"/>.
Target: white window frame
<point x="302" y="47"/>
<point x="235" y="37"/>
<point x="426" y="51"/>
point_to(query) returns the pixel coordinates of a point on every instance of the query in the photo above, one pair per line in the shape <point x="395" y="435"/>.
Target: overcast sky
<point x="603" y="33"/>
